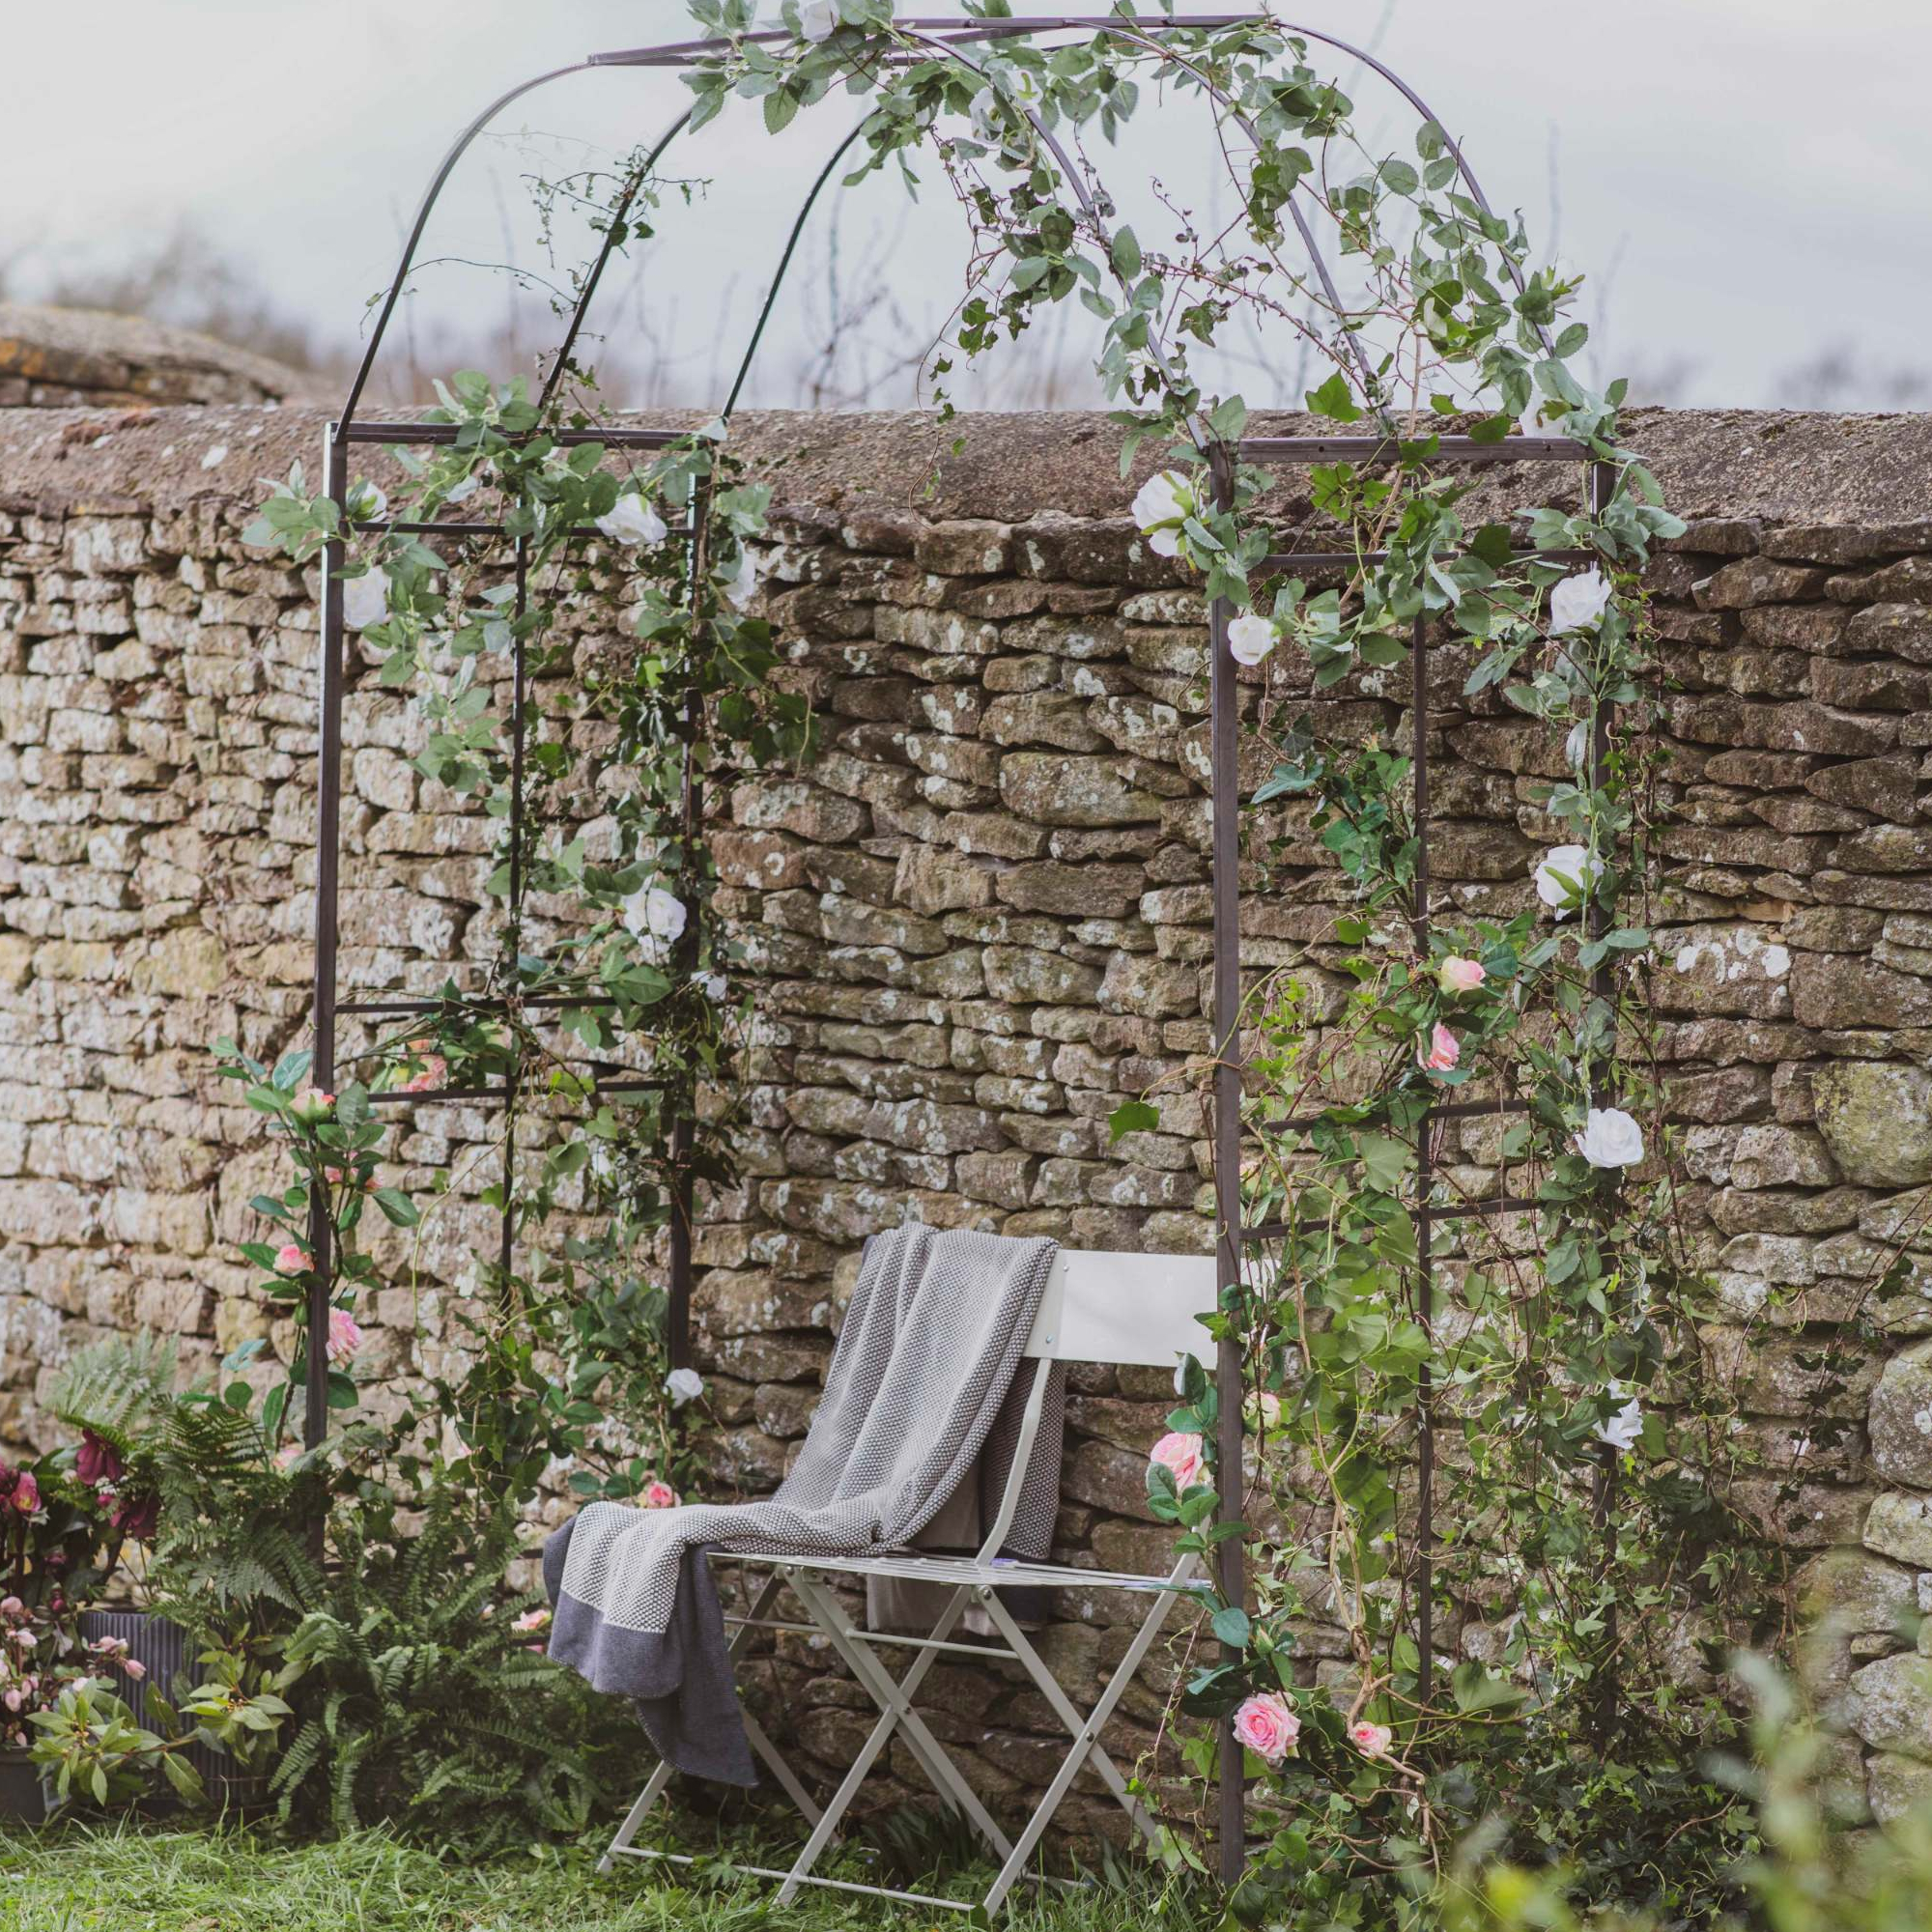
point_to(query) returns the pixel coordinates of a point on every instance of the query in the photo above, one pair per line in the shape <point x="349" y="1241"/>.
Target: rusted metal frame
<point x="327" y="880"/>
<point x="1464" y="452"/>
<point x="1223" y="741"/>
<point x="373" y="430"/>
<point x="513" y="1080"/>
<point x="691" y="810"/>
<point x="1342" y="559"/>
<point x="956" y="31"/>
<point x="378" y="526"/>
<point x="432" y="1096"/>
<point x="1425" y="1183"/>
<point x="1604" y="1485"/>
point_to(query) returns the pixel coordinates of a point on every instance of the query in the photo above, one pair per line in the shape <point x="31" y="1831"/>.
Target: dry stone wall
<point x="982" y="921"/>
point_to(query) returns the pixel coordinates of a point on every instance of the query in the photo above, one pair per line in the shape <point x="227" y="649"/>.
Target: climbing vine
<point x="1482" y="1056"/>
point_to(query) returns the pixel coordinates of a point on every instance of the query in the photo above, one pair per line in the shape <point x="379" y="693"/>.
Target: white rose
<point x="1578" y="601"/>
<point x="817" y="19"/>
<point x="1250" y="638"/>
<point x="683" y="1385"/>
<point x="633" y="521"/>
<point x="712" y="985"/>
<point x="738" y="592"/>
<point x="1564" y="877"/>
<point x="1625" y="1428"/>
<point x="365" y="599"/>
<point x="655" y="919"/>
<point x="1610" y="1138"/>
<point x="1163" y="503"/>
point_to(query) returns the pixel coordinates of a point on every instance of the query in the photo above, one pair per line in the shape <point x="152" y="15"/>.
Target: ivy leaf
<point x="1230" y="1625"/>
<point x="1335" y="400"/>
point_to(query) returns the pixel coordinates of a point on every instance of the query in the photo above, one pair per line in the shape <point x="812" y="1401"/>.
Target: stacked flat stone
<point x="977" y="925"/>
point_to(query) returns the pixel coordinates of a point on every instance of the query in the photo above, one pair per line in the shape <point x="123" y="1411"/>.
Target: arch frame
<point x="1233" y="1241"/>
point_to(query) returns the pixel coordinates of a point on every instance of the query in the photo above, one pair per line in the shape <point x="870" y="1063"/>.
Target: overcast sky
<point x="1744" y="181"/>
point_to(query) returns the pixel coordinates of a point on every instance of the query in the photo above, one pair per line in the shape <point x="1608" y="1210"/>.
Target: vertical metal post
<point x="1224" y="708"/>
<point x="328" y="879"/>
<point x="1604" y="1485"/>
<point x="507" y="1229"/>
<point x="1422" y="1216"/>
<point x="683" y="1095"/>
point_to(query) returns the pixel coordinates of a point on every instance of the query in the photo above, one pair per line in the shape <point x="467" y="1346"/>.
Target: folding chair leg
<point x="895" y="1701"/>
<point x="779" y="1768"/>
<point x="1084" y="1741"/>
<point x="628" y="1829"/>
<point x="762" y="1745"/>
<point x="1062" y="1706"/>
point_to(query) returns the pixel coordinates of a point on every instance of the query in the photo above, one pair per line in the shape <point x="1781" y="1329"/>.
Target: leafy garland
<point x="1568" y="1498"/>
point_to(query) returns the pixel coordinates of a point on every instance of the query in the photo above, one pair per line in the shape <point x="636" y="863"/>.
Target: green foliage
<point x="419" y="1701"/>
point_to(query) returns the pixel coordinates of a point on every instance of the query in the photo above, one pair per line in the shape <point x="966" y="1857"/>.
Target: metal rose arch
<point x="1234" y="1242"/>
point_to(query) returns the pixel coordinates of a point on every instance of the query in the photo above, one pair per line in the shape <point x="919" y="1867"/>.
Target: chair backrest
<point x="1139" y="1309"/>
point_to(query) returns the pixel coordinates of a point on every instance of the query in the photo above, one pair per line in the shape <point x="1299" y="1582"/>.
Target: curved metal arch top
<point x="945" y="38"/>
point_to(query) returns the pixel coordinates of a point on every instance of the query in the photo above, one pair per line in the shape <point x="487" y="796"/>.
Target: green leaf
<point x="397" y="1208"/>
<point x="1126" y="254"/>
<point x="1230" y="1625"/>
<point x="1335" y="400"/>
<point x="1133" y="1116"/>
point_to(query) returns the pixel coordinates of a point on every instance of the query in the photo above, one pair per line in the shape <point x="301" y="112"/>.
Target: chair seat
<point x="968" y="1571"/>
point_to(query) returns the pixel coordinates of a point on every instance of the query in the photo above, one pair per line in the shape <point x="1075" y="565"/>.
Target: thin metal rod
<point x="1224" y="708"/>
<point x="429" y="201"/>
<point x="475" y="1003"/>
<point x="1425" y="1156"/>
<point x="1338" y="560"/>
<point x="1388" y="448"/>
<point x="785" y="263"/>
<point x="683" y="53"/>
<point x="513" y="1079"/>
<point x="982" y="1651"/>
<point x="372" y="430"/>
<point x="378" y="526"/>
<point x="327" y="883"/>
<point x="588" y="294"/>
<point x="682" y="1190"/>
<point x="1602" y="483"/>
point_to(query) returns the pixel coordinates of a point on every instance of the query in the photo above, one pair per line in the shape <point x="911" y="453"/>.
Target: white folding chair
<point x="1136" y="1310"/>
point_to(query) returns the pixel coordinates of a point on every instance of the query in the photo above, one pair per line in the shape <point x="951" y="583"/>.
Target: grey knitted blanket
<point x="923" y="1364"/>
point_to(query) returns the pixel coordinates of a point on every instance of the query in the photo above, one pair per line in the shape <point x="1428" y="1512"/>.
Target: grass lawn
<point x="151" y="1879"/>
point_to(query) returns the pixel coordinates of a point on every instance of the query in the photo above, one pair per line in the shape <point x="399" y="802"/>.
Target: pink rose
<point x="344" y="1335"/>
<point x="1268" y="1726"/>
<point x="1370" y="1740"/>
<point x="290" y="1259"/>
<point x="530" y="1620"/>
<point x="26" y="1494"/>
<point x="1439" y="1052"/>
<point x="134" y="1668"/>
<point x="1459" y="976"/>
<point x="11" y="1607"/>
<point x="657" y="1495"/>
<point x="1180" y="1453"/>
<point x="13" y="1699"/>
